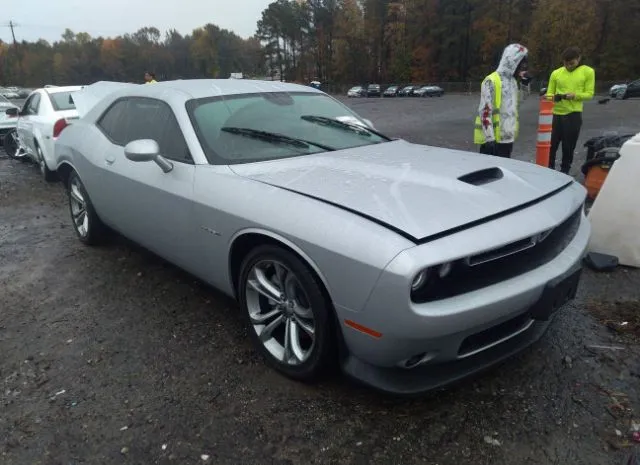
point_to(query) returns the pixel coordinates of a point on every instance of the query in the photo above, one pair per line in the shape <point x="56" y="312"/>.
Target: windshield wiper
<point x="362" y="130"/>
<point x="275" y="138"/>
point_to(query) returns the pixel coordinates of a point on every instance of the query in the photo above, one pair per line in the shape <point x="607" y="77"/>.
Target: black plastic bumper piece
<point x="420" y="380"/>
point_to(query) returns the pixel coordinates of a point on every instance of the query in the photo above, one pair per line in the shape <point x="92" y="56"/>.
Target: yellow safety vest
<point x="478" y="133"/>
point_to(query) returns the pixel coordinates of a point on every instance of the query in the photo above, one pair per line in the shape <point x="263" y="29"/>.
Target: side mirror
<point x="147" y="150"/>
<point x="12" y="112"/>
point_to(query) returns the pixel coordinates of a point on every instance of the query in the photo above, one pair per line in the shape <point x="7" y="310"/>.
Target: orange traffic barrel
<point x="543" y="146"/>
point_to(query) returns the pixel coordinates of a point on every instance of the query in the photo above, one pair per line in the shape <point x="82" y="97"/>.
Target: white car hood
<point x="412" y="189"/>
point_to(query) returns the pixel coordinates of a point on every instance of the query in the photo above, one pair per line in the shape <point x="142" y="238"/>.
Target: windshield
<point x="255" y="127"/>
<point x="62" y="100"/>
<point x="356" y="88"/>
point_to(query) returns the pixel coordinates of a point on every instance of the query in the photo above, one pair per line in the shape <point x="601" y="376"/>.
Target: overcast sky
<point x="48" y="19"/>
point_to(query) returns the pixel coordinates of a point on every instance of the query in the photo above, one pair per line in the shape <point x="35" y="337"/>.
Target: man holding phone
<point x="569" y="86"/>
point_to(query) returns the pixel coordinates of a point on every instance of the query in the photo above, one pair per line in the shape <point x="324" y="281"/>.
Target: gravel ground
<point x="111" y="356"/>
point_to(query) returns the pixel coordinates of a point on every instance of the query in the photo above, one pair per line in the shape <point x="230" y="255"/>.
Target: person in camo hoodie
<point x="496" y="125"/>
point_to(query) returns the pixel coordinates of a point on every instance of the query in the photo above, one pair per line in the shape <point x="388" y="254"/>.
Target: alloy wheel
<point x="280" y="312"/>
<point x="41" y="162"/>
<point x="78" y="208"/>
<point x="11" y="144"/>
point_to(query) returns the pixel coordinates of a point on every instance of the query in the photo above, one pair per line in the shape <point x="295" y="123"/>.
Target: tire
<point x="314" y="354"/>
<point x="47" y="174"/>
<point x="10" y="144"/>
<point x="86" y="223"/>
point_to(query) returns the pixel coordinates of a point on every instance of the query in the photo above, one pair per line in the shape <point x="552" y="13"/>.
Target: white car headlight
<point x="444" y="269"/>
<point x="420" y="279"/>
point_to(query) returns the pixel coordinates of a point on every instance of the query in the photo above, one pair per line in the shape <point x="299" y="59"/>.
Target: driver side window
<point x="31" y="106"/>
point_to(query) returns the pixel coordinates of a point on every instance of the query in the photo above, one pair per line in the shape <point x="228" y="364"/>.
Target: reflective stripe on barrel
<point x="545" y="119"/>
<point x="544" y="137"/>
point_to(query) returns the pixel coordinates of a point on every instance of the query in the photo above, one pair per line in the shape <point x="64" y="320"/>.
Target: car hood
<point x="419" y="191"/>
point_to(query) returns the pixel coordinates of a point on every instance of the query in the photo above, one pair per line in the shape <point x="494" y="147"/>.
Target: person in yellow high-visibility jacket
<point x="149" y="78"/>
<point x="496" y="123"/>
<point x="569" y="86"/>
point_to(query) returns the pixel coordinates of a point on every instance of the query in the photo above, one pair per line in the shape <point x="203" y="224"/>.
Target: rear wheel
<point x="87" y="225"/>
<point x="290" y="319"/>
<point x="47" y="174"/>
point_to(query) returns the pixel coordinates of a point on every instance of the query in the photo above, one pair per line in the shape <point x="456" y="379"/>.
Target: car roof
<point x="202" y="88"/>
<point x="55" y="90"/>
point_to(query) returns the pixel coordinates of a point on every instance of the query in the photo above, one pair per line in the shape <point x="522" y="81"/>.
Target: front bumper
<point x="454" y="337"/>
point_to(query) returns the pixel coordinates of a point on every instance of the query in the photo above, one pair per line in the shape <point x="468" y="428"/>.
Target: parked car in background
<point x="428" y="91"/>
<point x="391" y="91"/>
<point x="613" y="91"/>
<point x="416" y="89"/>
<point x="7" y="121"/>
<point x="24" y="93"/>
<point x="630" y="90"/>
<point x="406" y="91"/>
<point x="45" y="113"/>
<point x="373" y="90"/>
<point x="388" y="265"/>
<point x="9" y="93"/>
<point x="357" y="91"/>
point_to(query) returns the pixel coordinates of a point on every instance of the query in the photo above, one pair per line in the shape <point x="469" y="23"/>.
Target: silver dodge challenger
<point x="408" y="266"/>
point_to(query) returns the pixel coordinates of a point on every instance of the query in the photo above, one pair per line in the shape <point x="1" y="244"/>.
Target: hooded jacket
<point x="511" y="57"/>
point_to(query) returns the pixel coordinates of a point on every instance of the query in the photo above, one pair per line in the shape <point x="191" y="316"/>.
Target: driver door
<point x="151" y="207"/>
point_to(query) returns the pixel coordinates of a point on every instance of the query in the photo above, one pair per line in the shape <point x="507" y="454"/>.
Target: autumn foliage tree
<point x="359" y="41"/>
<point x="79" y="58"/>
<point x="346" y="42"/>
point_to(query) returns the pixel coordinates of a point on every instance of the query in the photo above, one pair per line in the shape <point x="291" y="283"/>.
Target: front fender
<point x="287" y="242"/>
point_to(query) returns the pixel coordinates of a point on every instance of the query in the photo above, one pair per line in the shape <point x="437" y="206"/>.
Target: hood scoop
<point x="484" y="176"/>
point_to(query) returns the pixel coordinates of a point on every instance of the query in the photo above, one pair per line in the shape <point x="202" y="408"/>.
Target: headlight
<point x="444" y="269"/>
<point x="428" y="279"/>
<point x="419" y="280"/>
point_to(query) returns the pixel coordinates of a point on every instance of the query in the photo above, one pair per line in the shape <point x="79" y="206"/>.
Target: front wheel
<point x="10" y="144"/>
<point x="290" y="319"/>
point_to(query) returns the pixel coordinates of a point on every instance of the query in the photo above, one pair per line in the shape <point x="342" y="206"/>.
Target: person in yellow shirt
<point x="569" y="86"/>
<point x="149" y="78"/>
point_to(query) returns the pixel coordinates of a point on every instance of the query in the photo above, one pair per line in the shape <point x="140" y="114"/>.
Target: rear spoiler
<point x="90" y="95"/>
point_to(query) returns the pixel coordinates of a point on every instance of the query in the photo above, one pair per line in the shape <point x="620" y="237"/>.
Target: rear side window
<point x="145" y="118"/>
<point x="62" y="101"/>
<point x="113" y="123"/>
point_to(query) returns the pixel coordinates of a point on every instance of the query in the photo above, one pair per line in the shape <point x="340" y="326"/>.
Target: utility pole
<point x="12" y="26"/>
<point x="13" y="34"/>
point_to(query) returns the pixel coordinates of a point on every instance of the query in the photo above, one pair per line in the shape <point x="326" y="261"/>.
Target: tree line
<point x="359" y="41"/>
<point x="350" y="41"/>
<point x="79" y="58"/>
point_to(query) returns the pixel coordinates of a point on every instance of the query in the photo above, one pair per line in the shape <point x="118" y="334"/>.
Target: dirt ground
<point x="111" y="356"/>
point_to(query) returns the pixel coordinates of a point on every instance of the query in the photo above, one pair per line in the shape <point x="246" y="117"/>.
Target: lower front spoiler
<point x="402" y="382"/>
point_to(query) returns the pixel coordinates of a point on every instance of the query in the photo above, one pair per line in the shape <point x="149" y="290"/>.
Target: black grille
<point x="464" y="278"/>
<point x="495" y="333"/>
